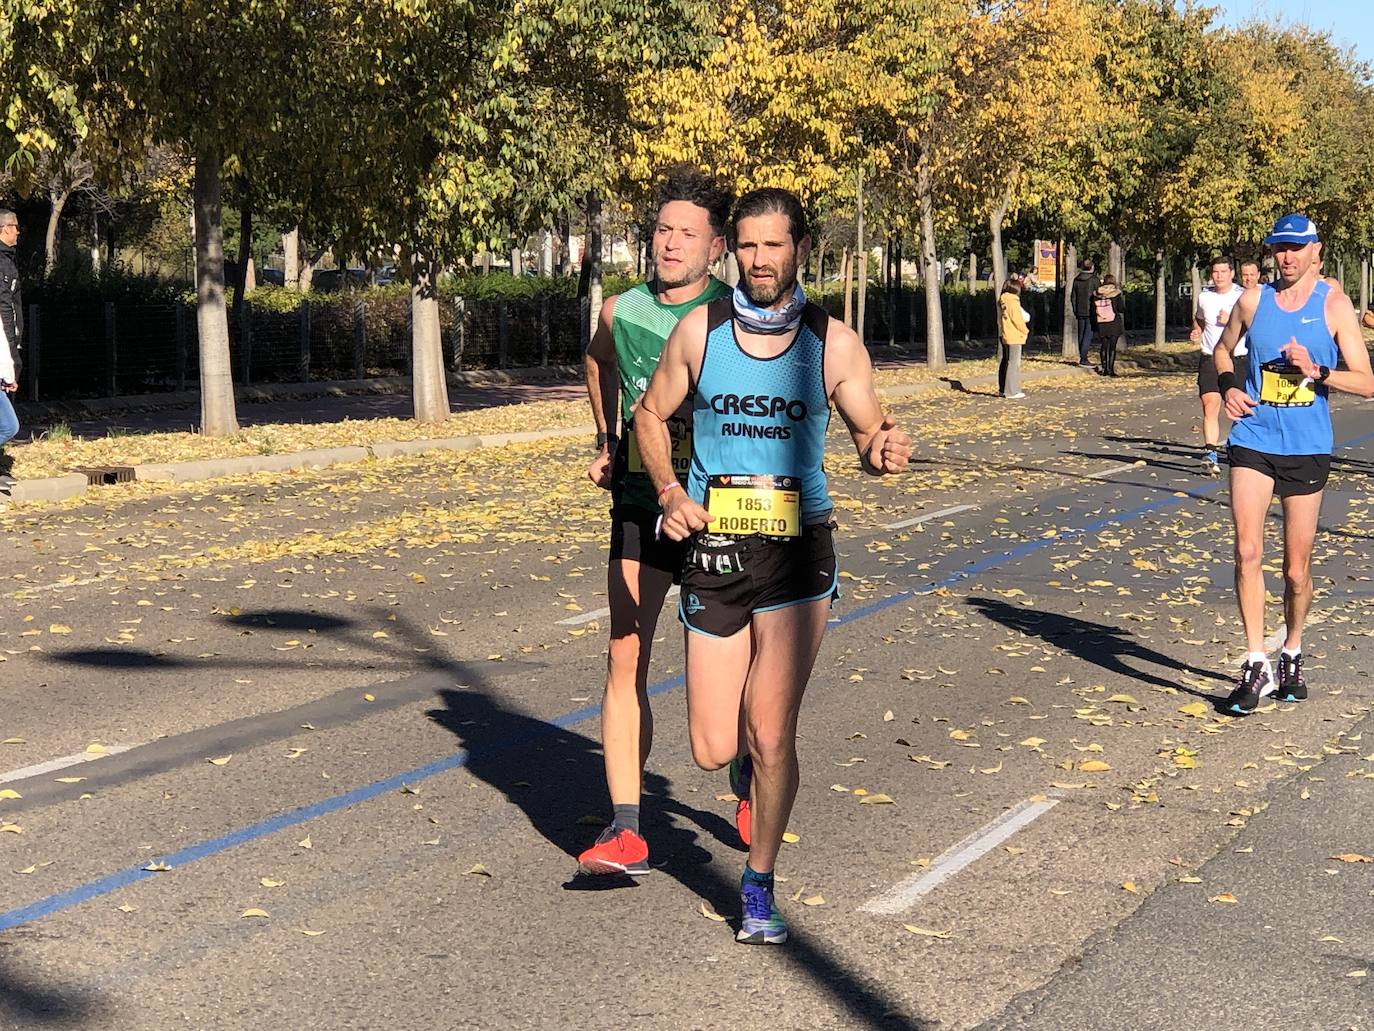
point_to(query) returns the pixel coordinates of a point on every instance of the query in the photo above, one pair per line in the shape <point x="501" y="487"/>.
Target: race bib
<point x="1283" y="386"/>
<point x="681" y="433"/>
<point x="745" y="505"/>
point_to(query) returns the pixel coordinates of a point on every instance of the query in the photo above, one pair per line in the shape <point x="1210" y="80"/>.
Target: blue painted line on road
<point x="205" y="849"/>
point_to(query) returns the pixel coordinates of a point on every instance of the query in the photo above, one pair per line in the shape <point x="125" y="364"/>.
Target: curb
<point x="60" y="488"/>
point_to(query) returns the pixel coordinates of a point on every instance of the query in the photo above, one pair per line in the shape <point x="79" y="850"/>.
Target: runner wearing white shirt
<point x="1209" y="320"/>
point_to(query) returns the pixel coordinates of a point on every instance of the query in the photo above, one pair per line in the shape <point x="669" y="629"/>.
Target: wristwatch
<point x="1323" y="373"/>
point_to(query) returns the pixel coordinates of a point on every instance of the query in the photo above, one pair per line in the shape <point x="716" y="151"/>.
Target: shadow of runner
<point x="1102" y="645"/>
<point x="556" y="776"/>
<point x="23" y="1004"/>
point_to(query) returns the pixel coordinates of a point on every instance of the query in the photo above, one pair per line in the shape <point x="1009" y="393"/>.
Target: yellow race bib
<point x="1284" y="386"/>
<point x="681" y="433"/>
<point x="746" y="505"/>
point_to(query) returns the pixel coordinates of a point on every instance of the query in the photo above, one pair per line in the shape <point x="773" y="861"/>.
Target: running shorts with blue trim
<point x="725" y="579"/>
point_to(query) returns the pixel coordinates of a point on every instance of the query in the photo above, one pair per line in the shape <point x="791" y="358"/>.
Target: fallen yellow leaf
<point x="1225" y="896"/>
<point x="878" y="799"/>
<point x="260" y="914"/>
<point x="223" y="760"/>
<point x="926" y="932"/>
<point x="711" y="914"/>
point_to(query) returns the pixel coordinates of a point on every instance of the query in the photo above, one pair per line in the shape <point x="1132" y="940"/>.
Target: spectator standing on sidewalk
<point x="1084" y="285"/>
<point x="1108" y="325"/>
<point x="11" y="332"/>
<point x="1013" y="330"/>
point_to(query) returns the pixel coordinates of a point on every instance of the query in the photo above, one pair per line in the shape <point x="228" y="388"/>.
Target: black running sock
<point x="752" y="876"/>
<point x="626" y="818"/>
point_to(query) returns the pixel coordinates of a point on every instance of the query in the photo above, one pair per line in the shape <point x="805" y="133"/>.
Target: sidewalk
<point x="327" y="403"/>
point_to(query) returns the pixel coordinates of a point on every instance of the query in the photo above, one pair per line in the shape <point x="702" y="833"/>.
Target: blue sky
<point x="1339" y="17"/>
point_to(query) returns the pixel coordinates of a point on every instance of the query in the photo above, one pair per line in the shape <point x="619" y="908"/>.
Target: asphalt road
<point x="362" y="702"/>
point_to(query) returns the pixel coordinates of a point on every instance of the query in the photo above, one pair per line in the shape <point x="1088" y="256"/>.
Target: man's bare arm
<point x="668" y="388"/>
<point x="1356" y="377"/>
<point x="602" y="372"/>
<point x="881" y="446"/>
<point x="1237" y="402"/>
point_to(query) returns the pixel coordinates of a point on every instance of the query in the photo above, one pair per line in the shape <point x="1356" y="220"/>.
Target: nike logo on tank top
<point x="758" y="430"/>
<point x="1293" y="416"/>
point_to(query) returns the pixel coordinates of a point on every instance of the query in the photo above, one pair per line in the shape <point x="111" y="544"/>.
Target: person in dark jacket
<point x="1082" y="289"/>
<point x="1108" y="324"/>
<point x="11" y="330"/>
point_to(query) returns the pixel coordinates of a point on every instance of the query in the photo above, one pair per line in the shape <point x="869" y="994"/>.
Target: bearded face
<point x="768" y="258"/>
<point x="684" y="244"/>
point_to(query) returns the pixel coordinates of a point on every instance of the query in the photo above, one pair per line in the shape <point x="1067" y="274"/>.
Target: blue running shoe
<point x="741" y="781"/>
<point x="762" y="924"/>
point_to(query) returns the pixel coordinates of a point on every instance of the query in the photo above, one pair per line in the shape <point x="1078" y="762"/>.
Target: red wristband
<point x="666" y="489"/>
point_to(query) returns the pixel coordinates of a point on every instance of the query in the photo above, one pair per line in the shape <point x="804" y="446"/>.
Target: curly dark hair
<point x="683" y="182"/>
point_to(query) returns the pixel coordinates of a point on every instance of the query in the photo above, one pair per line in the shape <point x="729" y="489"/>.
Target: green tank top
<point x="640" y="326"/>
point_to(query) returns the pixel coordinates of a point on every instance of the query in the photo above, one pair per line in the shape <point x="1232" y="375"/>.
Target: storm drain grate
<point x="100" y="475"/>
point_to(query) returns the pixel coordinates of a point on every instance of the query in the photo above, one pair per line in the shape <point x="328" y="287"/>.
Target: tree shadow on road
<point x="1097" y="643"/>
<point x="25" y="1004"/>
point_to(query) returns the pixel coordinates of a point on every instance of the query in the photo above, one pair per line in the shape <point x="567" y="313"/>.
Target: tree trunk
<point x="517" y="261"/>
<point x="847" y="275"/>
<point x="1195" y="281"/>
<point x="291" y="258"/>
<point x="1160" y="309"/>
<point x="935" y="323"/>
<point x="245" y="252"/>
<point x="95" y="241"/>
<point x="59" y="200"/>
<point x="1364" y="281"/>
<point x="1116" y="262"/>
<point x="307" y="267"/>
<point x="972" y="273"/>
<point x="999" y="256"/>
<point x="1068" y="347"/>
<point x="429" y="388"/>
<point x="819" y="282"/>
<point x="217" y="415"/>
<point x="861" y="254"/>
<point x="894" y="278"/>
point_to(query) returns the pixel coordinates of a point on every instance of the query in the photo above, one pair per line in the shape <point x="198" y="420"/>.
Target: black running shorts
<point x="633" y="538"/>
<point x="725" y="580"/>
<point x="1207" y="376"/>
<point x="1293" y="475"/>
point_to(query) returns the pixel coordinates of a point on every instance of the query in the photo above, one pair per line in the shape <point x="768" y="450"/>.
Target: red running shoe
<point x="741" y="781"/>
<point x="616" y="851"/>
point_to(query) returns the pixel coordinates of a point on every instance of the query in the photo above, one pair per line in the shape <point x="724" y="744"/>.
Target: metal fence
<point x="123" y="348"/>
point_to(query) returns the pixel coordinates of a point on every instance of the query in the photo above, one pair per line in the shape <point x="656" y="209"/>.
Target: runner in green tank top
<point x="639" y="326"/>
<point x="689" y="237"/>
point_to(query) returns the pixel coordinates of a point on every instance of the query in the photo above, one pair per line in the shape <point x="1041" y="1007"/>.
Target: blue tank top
<point x="1292" y="418"/>
<point x="760" y="417"/>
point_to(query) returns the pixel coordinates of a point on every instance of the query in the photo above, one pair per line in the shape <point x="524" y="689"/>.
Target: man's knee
<point x="1297" y="575"/>
<point x="712" y="754"/>
<point x="1249" y="554"/>
<point x="771" y="744"/>
<point x="623" y="657"/>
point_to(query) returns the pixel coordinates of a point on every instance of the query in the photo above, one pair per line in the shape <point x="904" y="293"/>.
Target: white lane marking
<point x="52" y="765"/>
<point x="902" y="896"/>
<point x="587" y="617"/>
<point x="928" y="516"/>
<point x="1112" y="471"/>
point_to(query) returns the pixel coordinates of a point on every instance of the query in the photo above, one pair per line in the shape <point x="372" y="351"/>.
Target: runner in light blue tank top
<point x="764" y="366"/>
<point x="1294" y="414"/>
<point x="1281" y="439"/>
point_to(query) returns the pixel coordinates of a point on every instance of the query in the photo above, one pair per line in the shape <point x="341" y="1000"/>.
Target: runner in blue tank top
<point x="760" y="572"/>
<point x="1299" y="328"/>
